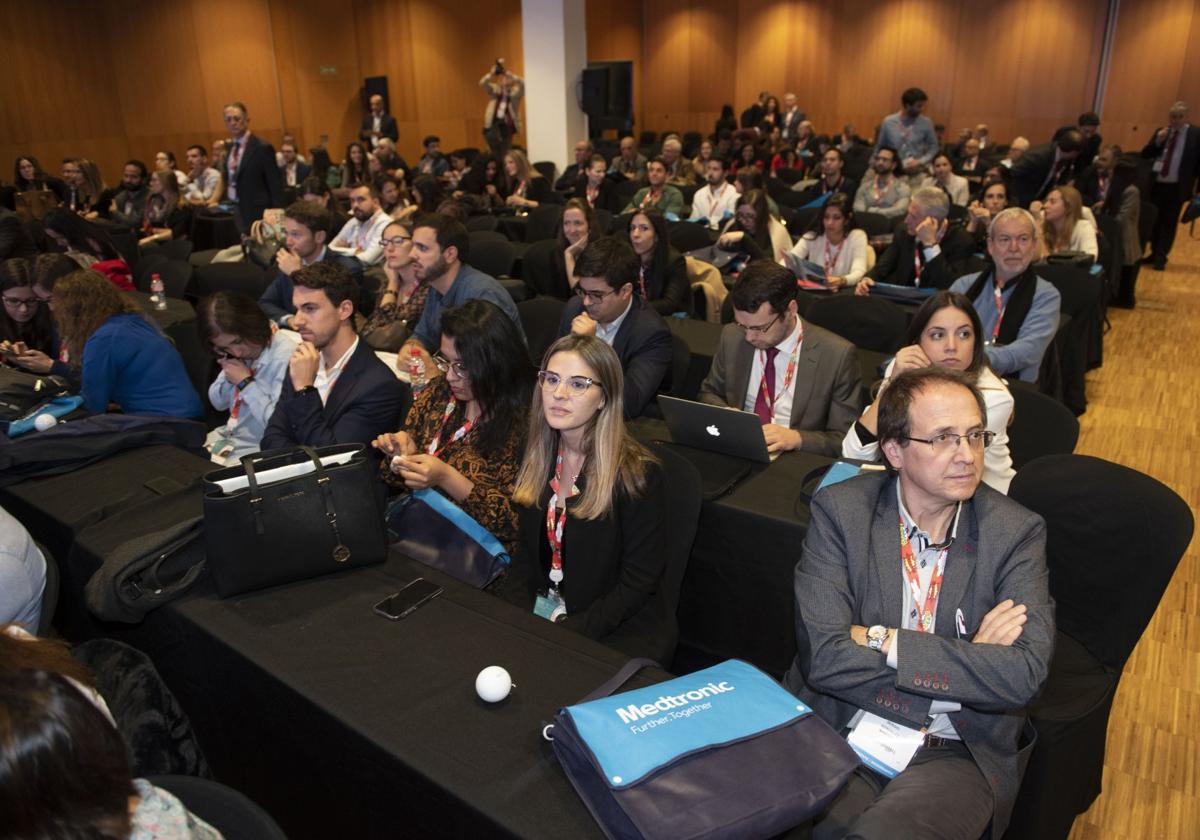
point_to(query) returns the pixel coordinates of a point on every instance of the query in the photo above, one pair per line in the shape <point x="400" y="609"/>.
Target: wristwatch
<point x="877" y="634"/>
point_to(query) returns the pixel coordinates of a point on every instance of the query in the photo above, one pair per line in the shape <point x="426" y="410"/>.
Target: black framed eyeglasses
<point x="759" y="329"/>
<point x="395" y="241"/>
<point x="22" y="303"/>
<point x="978" y="440"/>
<point x="587" y="294"/>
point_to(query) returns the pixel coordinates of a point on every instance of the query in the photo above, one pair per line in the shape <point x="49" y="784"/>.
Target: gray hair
<point x="1010" y="213"/>
<point x="933" y="201"/>
<point x="1179" y="107"/>
<point x="672" y="141"/>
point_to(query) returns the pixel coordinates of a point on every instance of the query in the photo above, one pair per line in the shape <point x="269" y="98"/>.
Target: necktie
<point x="1169" y="153"/>
<point x="764" y="403"/>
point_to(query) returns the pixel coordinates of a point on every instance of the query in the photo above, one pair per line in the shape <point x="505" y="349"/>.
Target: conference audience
<point x="29" y="336"/>
<point x="336" y="389"/>
<point x="754" y="231"/>
<point x="164" y="217"/>
<point x="89" y="245"/>
<point x="1019" y="328"/>
<point x="204" y="184"/>
<point x="125" y="359"/>
<point x="1088" y="126"/>
<point x="402" y="299"/>
<point x="747" y="157"/>
<point x="703" y="156"/>
<point x="576" y="228"/>
<point x="293" y="170"/>
<point x="1123" y="202"/>
<point x="993" y="197"/>
<point x="609" y="307"/>
<point x="165" y="162"/>
<point x="927" y="252"/>
<point x="432" y="162"/>
<point x="464" y="433"/>
<point x="788" y="161"/>
<point x="253" y="355"/>
<point x="360" y="237"/>
<point x="882" y="192"/>
<point x="835" y="243"/>
<point x="662" y="280"/>
<point x="955" y="186"/>
<point x="599" y="569"/>
<point x="394" y="196"/>
<point x="318" y="191"/>
<point x="428" y="194"/>
<point x="802" y="381"/>
<point x="28" y="175"/>
<point x="377" y="124"/>
<point x="524" y="186"/>
<point x="1016" y="150"/>
<point x="970" y="162"/>
<point x="1062" y="228"/>
<point x="306" y="227"/>
<point x="717" y="199"/>
<point x="658" y="194"/>
<point x="945" y="332"/>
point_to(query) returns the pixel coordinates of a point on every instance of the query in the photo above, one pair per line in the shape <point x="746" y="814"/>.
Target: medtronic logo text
<point x="632" y="713"/>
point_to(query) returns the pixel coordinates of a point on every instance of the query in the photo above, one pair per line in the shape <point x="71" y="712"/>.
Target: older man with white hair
<point x="928" y="252"/>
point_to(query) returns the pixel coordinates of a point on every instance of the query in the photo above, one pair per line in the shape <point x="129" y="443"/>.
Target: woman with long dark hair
<point x="463" y="435"/>
<point x="754" y="231"/>
<point x="165" y="217"/>
<point x="125" y="359"/>
<point x="28" y="334"/>
<point x="663" y="281"/>
<point x="835" y="243"/>
<point x="946" y="332"/>
<point x="591" y="502"/>
<point x="28" y="175"/>
<point x="355" y="170"/>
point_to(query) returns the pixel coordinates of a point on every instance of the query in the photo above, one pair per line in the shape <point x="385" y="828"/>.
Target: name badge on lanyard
<point x="551" y="605"/>
<point x="883" y="745"/>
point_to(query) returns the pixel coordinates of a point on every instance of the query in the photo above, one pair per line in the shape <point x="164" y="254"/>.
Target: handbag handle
<point x="340" y="552"/>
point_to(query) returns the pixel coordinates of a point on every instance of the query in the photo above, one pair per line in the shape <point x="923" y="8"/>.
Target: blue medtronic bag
<point x="723" y="752"/>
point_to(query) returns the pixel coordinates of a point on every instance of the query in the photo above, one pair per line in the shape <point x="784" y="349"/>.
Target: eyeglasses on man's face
<point x="759" y="329"/>
<point x="588" y="294"/>
<point x="946" y="442"/>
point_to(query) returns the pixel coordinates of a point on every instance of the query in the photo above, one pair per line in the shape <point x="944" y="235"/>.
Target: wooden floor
<point x="1144" y="412"/>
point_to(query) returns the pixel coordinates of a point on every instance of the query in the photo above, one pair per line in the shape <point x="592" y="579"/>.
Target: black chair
<point x="492" y="256"/>
<point x="233" y="814"/>
<point x="1041" y="425"/>
<point x="647" y="138"/>
<point x="805" y="219"/>
<point x="483" y="221"/>
<point x="624" y="193"/>
<point x="874" y="224"/>
<point x="244" y="277"/>
<point x="126" y="243"/>
<point x="543" y="222"/>
<point x="604" y="219"/>
<point x="49" y="593"/>
<point x="539" y="319"/>
<point x="1113" y="540"/>
<point x="546" y="168"/>
<point x="176" y="249"/>
<point x="691" y="143"/>
<point x="537" y="267"/>
<point x="676" y="380"/>
<point x="486" y="236"/>
<point x="784" y="195"/>
<point x="867" y="322"/>
<point x="146" y="266"/>
<point x="688" y="236"/>
<point x="1080" y="343"/>
<point x="681" y="488"/>
<point x="176" y="275"/>
<point x="688" y="191"/>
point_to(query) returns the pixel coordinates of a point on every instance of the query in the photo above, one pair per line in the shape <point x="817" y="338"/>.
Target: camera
<point x="498" y="70"/>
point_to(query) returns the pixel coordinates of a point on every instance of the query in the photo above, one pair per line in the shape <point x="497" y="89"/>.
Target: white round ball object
<point x="44" y="421"/>
<point x="493" y="684"/>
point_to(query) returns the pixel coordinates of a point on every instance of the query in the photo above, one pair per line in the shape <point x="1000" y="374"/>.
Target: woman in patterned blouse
<point x="464" y="434"/>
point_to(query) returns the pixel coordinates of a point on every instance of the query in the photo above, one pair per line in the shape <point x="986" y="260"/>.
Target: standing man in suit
<point x="924" y="623"/>
<point x="792" y="117"/>
<point x="292" y="170"/>
<point x="501" y="119"/>
<point x="803" y="382"/>
<point x="336" y="390"/>
<point x="608" y="308"/>
<point x="927" y="252"/>
<point x="1175" y="150"/>
<point x="1042" y="168"/>
<point x="250" y="171"/>
<point x="377" y="124"/>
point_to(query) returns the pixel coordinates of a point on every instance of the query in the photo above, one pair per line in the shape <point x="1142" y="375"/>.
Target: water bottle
<point x="416" y="370"/>
<point x="158" y="295"/>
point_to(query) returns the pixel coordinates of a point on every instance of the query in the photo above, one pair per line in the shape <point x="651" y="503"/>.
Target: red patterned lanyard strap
<point x="434" y="447"/>
<point x="926" y="611"/>
<point x="554" y="524"/>
<point x="768" y="398"/>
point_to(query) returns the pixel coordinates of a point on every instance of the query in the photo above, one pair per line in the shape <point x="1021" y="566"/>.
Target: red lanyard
<point x="433" y="448"/>
<point x="925" y="614"/>
<point x="554" y="525"/>
<point x="830" y="262"/>
<point x="650" y="199"/>
<point x="642" y="280"/>
<point x="999" y="312"/>
<point x="592" y="194"/>
<point x="787" y="376"/>
<point x="875" y="191"/>
<point x="917" y="267"/>
<point x="237" y="400"/>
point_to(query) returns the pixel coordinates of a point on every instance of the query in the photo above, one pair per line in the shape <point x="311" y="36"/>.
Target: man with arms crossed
<point x="924" y="623"/>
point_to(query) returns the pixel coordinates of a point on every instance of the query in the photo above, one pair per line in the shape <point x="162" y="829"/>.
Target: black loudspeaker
<point x="608" y="89"/>
<point x="375" y="85"/>
<point x="595" y="91"/>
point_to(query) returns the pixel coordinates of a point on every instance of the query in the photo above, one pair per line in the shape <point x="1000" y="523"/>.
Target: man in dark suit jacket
<point x="337" y="390"/>
<point x="1089" y="128"/>
<point x="609" y="308"/>
<point x="1044" y="167"/>
<point x="928" y="252"/>
<point x="377" y="123"/>
<point x="942" y="674"/>
<point x="293" y="171"/>
<point x="1175" y="150"/>
<point x="14" y="239"/>
<point x="813" y="387"/>
<point x="307" y="227"/>
<point x="583" y="154"/>
<point x="251" y="174"/>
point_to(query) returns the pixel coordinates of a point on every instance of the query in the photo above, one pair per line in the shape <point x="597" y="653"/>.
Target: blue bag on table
<point x="435" y="531"/>
<point x="723" y="752"/>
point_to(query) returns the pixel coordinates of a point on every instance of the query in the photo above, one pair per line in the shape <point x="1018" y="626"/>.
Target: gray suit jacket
<point x="850" y="573"/>
<point x="828" y="391"/>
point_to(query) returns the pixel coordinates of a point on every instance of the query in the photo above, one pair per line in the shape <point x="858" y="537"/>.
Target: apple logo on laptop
<point x="713" y="430"/>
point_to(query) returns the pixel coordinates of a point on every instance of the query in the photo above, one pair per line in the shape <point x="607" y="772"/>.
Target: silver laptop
<point x="729" y="431"/>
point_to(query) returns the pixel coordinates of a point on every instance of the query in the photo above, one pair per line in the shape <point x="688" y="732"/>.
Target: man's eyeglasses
<point x="22" y="303"/>
<point x="577" y="386"/>
<point x="1004" y="240"/>
<point x="759" y="329"/>
<point x="445" y="365"/>
<point x="587" y="294"/>
<point x="948" y="441"/>
<point x="395" y="241"/>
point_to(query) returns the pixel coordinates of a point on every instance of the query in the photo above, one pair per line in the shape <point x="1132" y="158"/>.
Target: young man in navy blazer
<point x="337" y="390"/>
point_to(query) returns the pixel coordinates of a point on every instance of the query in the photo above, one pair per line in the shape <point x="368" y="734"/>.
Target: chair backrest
<point x="539" y="319"/>
<point x="146" y="266"/>
<point x="681" y="488"/>
<point x="784" y="195"/>
<point x="867" y="322"/>
<point x="1077" y="286"/>
<point x="244" y="277"/>
<point x="1041" y="425"/>
<point x="604" y="219"/>
<point x="681" y="361"/>
<point x="804" y="219"/>
<point x="1113" y="539"/>
<point x="691" y="143"/>
<point x="543" y="222"/>
<point x="688" y="236"/>
<point x="49" y="592"/>
<point x="547" y="168"/>
<point x="624" y="193"/>
<point x="492" y="256"/>
<point x="482" y="221"/>
<point x="875" y="224"/>
<point x="126" y="244"/>
<point x="647" y="138"/>
<point x="233" y="814"/>
<point x="537" y="267"/>
<point x="176" y="249"/>
<point x="489" y="235"/>
<point x="176" y="275"/>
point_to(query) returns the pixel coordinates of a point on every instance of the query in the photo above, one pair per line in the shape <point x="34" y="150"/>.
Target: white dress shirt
<point x="326" y="377"/>
<point x="714" y="204"/>
<point x="608" y="332"/>
<point x="363" y="238"/>
<point x="781" y="414"/>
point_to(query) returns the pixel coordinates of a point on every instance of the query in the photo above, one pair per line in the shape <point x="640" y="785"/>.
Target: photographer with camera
<point x="500" y="119"/>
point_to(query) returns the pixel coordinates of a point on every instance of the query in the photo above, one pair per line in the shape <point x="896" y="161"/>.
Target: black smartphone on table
<point x="408" y="599"/>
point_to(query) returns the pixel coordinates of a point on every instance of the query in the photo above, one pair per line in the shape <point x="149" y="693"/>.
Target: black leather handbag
<point x="325" y="519"/>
